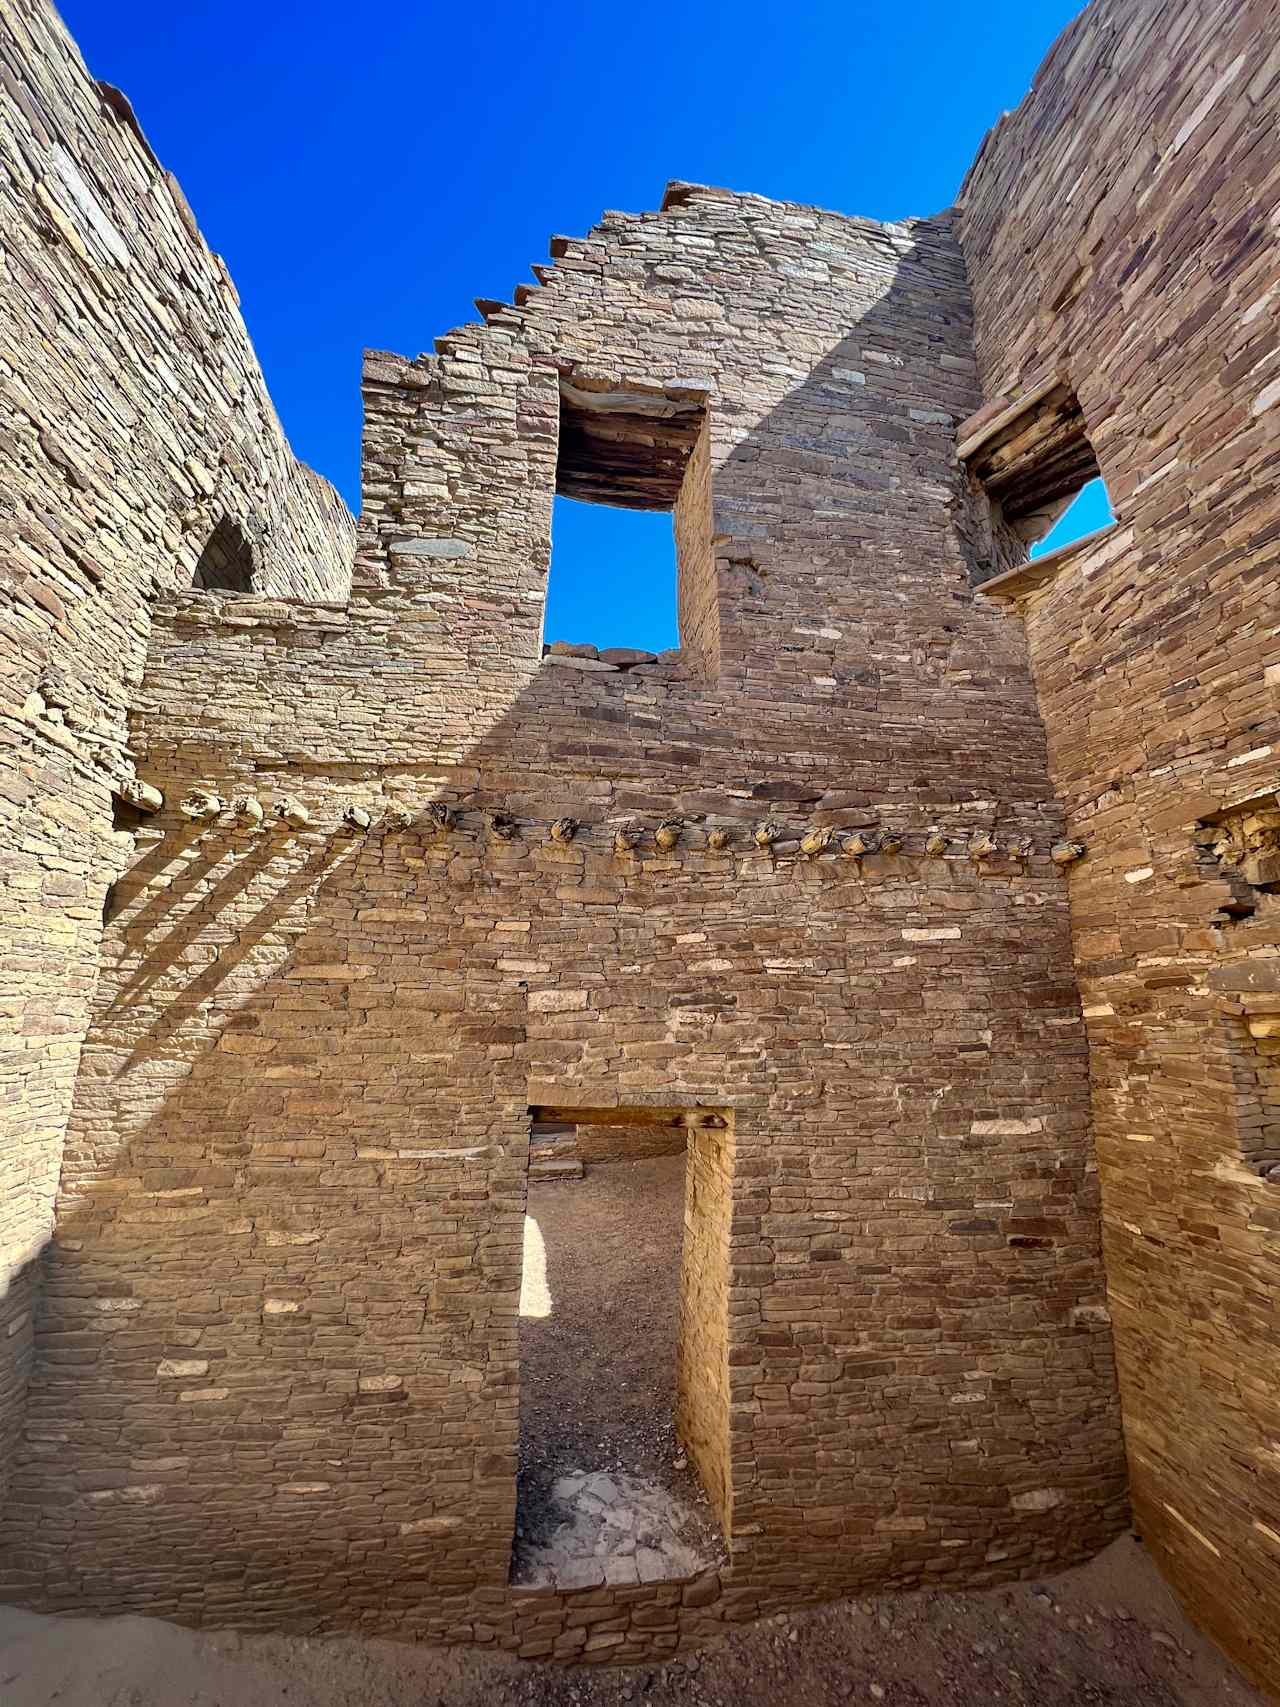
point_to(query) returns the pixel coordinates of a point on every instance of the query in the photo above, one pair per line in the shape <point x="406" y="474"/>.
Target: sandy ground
<point x="1108" y="1633"/>
<point x="598" y="1369"/>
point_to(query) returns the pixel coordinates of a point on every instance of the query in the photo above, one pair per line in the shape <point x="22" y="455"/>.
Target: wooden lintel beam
<point x="1042" y="437"/>
<point x="554" y="1114"/>
<point x="983" y="426"/>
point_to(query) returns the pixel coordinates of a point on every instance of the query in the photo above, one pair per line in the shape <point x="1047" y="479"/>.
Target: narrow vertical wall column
<point x="698" y="583"/>
<point x="1150" y="284"/>
<point x="702" y="1389"/>
<point x="458" y="482"/>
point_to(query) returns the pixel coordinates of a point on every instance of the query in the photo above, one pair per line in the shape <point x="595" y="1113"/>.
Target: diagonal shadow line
<point x="186" y="875"/>
<point x="158" y="958"/>
<point x="261" y="925"/>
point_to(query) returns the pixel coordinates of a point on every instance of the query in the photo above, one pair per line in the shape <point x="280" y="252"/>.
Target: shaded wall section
<point x="137" y="425"/>
<point x="1121" y="225"/>
<point x="277" y="1377"/>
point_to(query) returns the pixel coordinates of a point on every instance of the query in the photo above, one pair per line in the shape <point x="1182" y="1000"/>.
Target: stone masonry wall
<point x="135" y="422"/>
<point x="278" y="1364"/>
<point x="1122" y="226"/>
<point x="703" y="1382"/>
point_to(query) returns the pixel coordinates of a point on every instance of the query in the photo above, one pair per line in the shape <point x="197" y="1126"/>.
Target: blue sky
<point x="367" y="170"/>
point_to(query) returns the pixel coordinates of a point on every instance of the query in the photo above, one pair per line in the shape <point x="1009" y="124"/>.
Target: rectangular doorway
<point x="624" y="1466"/>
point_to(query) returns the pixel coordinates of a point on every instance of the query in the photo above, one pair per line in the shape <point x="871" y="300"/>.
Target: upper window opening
<point x="612" y="578"/>
<point x="1088" y="511"/>
<point x="631" y="561"/>
<point x="226" y="564"/>
<point x="623" y="447"/>
<point x="1032" y="458"/>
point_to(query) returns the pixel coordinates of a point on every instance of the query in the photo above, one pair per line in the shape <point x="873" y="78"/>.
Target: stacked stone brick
<point x="136" y="421"/>
<point x="422" y="893"/>
<point x="286" y="1269"/>
<point x="1120" y="228"/>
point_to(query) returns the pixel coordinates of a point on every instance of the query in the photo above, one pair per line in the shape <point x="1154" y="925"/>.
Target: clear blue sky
<point x="367" y="170"/>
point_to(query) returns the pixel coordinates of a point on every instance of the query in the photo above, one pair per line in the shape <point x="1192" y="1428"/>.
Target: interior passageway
<point x="606" y="1492"/>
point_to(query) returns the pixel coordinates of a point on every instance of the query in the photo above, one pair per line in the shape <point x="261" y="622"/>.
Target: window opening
<point x="1088" y="511"/>
<point x="1032" y="459"/>
<point x="623" y="1472"/>
<point x="612" y="579"/>
<point x="632" y="567"/>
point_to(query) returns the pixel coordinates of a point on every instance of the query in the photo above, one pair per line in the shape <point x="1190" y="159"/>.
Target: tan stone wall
<point x="277" y="1365"/>
<point x="698" y="583"/>
<point x="1121" y="225"/>
<point x="703" y="1388"/>
<point x="136" y="420"/>
<point x="314" y="1051"/>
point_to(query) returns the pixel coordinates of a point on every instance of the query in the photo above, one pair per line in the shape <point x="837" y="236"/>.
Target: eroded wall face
<point x="703" y="1405"/>
<point x="1121" y="224"/>
<point x="136" y="421"/>
<point x="278" y="1359"/>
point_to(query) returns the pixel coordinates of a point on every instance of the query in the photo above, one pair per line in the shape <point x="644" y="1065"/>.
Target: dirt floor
<point x="598" y="1368"/>
<point x="1107" y="1635"/>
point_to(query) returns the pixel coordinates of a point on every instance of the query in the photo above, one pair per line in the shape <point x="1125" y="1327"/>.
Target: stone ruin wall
<point x="1121" y="226"/>
<point x="136" y="422"/>
<point x="309" y="1047"/>
<point x="279" y="1361"/>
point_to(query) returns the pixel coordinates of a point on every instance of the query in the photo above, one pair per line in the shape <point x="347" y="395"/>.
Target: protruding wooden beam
<point x="986" y="422"/>
<point x="1026" y="578"/>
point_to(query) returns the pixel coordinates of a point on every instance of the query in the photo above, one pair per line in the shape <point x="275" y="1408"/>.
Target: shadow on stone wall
<point x="277" y="1380"/>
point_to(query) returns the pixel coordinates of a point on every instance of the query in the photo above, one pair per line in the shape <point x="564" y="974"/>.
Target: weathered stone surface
<point x="574" y="662"/>
<point x="447" y="548"/>
<point x="142" y="454"/>
<point x="615" y="1530"/>
<point x="1151" y="647"/>
<point x="409" y="994"/>
<point x="414" y="992"/>
<point x="625" y="656"/>
<point x="279" y="1308"/>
